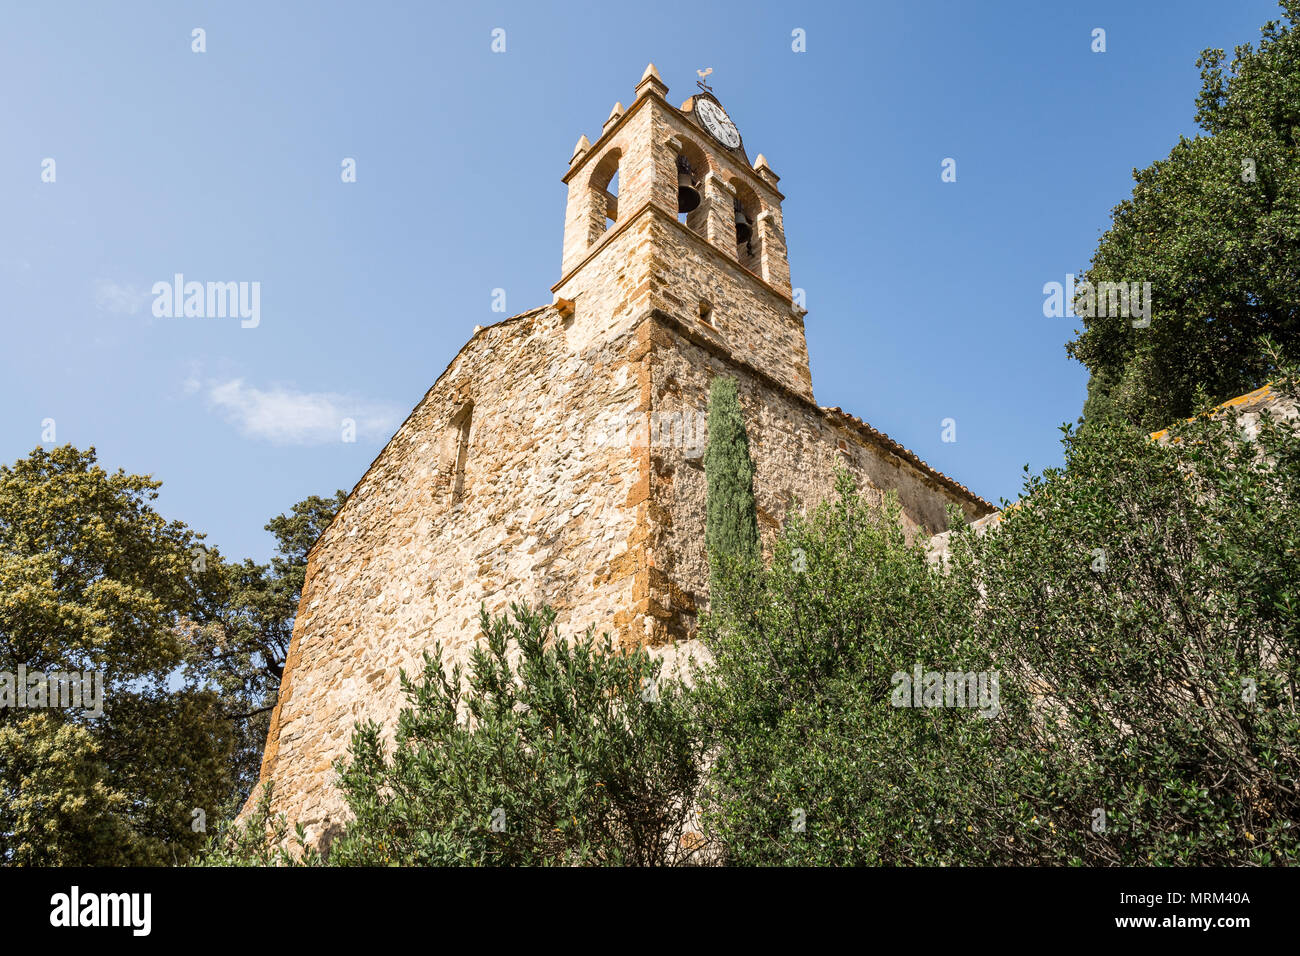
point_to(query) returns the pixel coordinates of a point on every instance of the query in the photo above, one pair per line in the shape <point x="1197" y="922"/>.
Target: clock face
<point x="718" y="123"/>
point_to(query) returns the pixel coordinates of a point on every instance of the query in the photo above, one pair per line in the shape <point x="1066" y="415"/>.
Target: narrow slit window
<point x="461" y="424"/>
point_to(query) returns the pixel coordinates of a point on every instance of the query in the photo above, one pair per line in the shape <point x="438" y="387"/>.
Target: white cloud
<point x="283" y="416"/>
<point x="119" y="297"/>
<point x="193" y="382"/>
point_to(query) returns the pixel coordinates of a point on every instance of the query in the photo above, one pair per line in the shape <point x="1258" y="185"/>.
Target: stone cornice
<point x="649" y="207"/>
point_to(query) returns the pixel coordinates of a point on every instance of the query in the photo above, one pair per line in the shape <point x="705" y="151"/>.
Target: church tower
<point x="717" y="261"/>
<point x="558" y="458"/>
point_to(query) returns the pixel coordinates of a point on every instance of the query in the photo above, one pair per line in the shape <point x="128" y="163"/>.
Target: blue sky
<point x="925" y="298"/>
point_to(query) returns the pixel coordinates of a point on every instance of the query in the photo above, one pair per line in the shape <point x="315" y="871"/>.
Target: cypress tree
<point x="731" y="521"/>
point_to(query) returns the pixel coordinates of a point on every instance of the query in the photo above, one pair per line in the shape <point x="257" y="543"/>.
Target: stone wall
<point x="543" y="516"/>
<point x="795" y="446"/>
<point x="688" y="266"/>
<point x="749" y="319"/>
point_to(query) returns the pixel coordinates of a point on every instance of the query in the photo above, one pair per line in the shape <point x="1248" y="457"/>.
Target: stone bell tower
<point x="558" y="457"/>
<point x="716" y="262"/>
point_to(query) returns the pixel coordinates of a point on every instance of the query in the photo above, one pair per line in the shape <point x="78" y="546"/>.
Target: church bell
<point x="688" y="197"/>
<point x="743" y="228"/>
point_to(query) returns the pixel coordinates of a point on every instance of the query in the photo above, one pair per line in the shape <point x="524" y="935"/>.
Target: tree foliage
<point x="260" y="839"/>
<point x="190" y="649"/>
<point x="1140" y="608"/>
<point x="546" y="752"/>
<point x="94" y="580"/>
<point x="1150" y="593"/>
<point x="249" y="614"/>
<point x="814" y="765"/>
<point x="1215" y="229"/>
<point x="731" y="519"/>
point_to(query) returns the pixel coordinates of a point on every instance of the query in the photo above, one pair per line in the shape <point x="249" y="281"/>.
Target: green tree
<point x="815" y="765"/>
<point x="95" y="580"/>
<point x="1140" y="607"/>
<point x="260" y="839"/>
<point x="241" y="650"/>
<point x="731" y="520"/>
<point x="1150" y="591"/>
<point x="1215" y="229"/>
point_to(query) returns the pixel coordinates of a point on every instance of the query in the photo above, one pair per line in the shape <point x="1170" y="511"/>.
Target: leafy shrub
<point x="1139" y="605"/>
<point x="547" y="752"/>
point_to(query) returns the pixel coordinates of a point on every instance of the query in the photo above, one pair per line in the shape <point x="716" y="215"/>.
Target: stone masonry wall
<point x="749" y="319"/>
<point x="687" y="268"/>
<point x="795" y="446"/>
<point x="544" y="516"/>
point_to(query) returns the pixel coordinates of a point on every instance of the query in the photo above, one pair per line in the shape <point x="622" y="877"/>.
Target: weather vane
<point x="700" y="82"/>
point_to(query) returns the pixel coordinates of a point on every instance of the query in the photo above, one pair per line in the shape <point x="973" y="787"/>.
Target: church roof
<point x="884" y="441"/>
